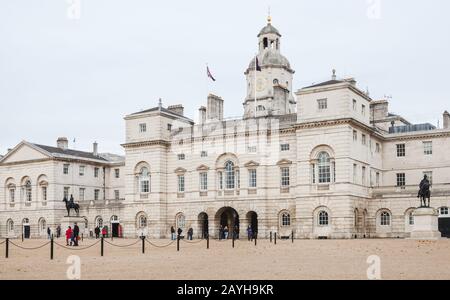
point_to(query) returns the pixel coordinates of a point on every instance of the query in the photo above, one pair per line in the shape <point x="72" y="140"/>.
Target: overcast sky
<point x="63" y="76"/>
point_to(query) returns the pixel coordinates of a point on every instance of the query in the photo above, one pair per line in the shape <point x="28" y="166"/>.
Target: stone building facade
<point x="326" y="161"/>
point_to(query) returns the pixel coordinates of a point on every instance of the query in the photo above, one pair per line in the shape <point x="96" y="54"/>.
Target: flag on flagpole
<point x="208" y="72"/>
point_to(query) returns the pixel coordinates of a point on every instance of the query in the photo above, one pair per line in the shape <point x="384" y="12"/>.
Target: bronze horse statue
<point x="424" y="192"/>
<point x="71" y="205"/>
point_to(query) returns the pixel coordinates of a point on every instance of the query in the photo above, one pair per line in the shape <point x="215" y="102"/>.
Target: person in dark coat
<point x="76" y="234"/>
<point x="190" y="233"/>
<point x="249" y="233"/>
<point x="220" y="232"/>
<point x="58" y="231"/>
<point x="179" y="232"/>
<point x="236" y="232"/>
<point x="49" y="233"/>
<point x="97" y="232"/>
<point x="173" y="236"/>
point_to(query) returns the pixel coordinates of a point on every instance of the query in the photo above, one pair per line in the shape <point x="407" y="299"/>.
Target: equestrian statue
<point x="70" y="204"/>
<point x="424" y="192"/>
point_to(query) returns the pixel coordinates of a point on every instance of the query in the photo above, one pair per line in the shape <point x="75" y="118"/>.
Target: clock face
<point x="260" y="84"/>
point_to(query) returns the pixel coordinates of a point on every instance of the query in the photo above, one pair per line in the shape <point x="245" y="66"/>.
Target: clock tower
<point x="272" y="86"/>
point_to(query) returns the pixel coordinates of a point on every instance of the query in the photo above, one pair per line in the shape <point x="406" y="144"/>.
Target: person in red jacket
<point x="104" y="232"/>
<point x="69" y="236"/>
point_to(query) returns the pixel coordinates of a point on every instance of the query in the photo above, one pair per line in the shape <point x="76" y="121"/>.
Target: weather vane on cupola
<point x="269" y="17"/>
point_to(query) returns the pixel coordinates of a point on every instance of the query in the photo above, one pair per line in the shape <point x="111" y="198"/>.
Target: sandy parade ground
<point x="304" y="259"/>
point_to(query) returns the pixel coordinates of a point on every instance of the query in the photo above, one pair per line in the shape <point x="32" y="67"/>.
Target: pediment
<point x="180" y="170"/>
<point x="202" y="168"/>
<point x="284" y="162"/>
<point x="24" y="152"/>
<point x="251" y="163"/>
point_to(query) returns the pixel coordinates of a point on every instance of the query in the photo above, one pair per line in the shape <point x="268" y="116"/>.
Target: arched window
<point x="385" y="218"/>
<point x="99" y="222"/>
<point x="28" y="196"/>
<point x="144" y="181"/>
<point x="181" y="221"/>
<point x="411" y="218"/>
<point x="275" y="81"/>
<point x="10" y="226"/>
<point x="142" y="221"/>
<point x="285" y="219"/>
<point x="323" y="218"/>
<point x="42" y="226"/>
<point x="324" y="165"/>
<point x="229" y="175"/>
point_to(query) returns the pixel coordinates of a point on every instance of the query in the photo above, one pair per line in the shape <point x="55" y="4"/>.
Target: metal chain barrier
<point x="31" y="248"/>
<point x="3" y="242"/>
<point x="123" y="246"/>
<point x="190" y="242"/>
<point x="160" y="246"/>
<point x="75" y="248"/>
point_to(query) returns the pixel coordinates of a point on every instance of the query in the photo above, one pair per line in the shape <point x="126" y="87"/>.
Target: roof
<point x="269" y="29"/>
<point x="70" y="152"/>
<point x="165" y="110"/>
<point x="329" y="82"/>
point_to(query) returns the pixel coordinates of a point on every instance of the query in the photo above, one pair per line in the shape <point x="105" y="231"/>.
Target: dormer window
<point x="142" y="127"/>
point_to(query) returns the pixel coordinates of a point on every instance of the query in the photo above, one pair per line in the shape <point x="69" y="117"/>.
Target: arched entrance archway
<point x="203" y="225"/>
<point x="252" y="219"/>
<point x="229" y="217"/>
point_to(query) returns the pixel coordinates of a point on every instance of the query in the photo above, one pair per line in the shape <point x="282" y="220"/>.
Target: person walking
<point x="69" y="236"/>
<point x="173" y="235"/>
<point x="58" y="232"/>
<point x="220" y="232"/>
<point x="97" y="232"/>
<point x="104" y="232"/>
<point x="190" y="234"/>
<point x="49" y="233"/>
<point x="76" y="235"/>
<point x="236" y="232"/>
<point x="249" y="233"/>
<point x="225" y="232"/>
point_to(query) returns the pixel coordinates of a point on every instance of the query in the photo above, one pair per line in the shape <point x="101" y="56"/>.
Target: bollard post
<point x="51" y="248"/>
<point x="101" y="247"/>
<point x="81" y="237"/>
<point x="256" y="237"/>
<point x="178" y="243"/>
<point x="7" y="248"/>
<point x="271" y="236"/>
<point x="22" y="236"/>
<point x="292" y="236"/>
<point x="233" y="241"/>
<point x="275" y="239"/>
<point x="207" y="241"/>
<point x="143" y="244"/>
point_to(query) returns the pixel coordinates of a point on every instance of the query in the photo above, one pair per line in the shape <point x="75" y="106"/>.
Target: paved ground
<point x="305" y="259"/>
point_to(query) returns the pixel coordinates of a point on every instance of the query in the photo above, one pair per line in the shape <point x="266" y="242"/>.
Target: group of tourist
<point x="103" y="231"/>
<point x="224" y="232"/>
<point x="72" y="235"/>
<point x="173" y="233"/>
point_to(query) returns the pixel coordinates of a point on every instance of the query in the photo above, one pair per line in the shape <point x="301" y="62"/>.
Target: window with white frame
<point x="428" y="148"/>
<point x="323" y="218"/>
<point x="401" y="179"/>
<point x="363" y="175"/>
<point x="429" y="175"/>
<point x="322" y="104"/>
<point x="116" y="194"/>
<point x="285" y="219"/>
<point x="363" y="110"/>
<point x="401" y="150"/>
<point x="355" y="135"/>
<point x="238" y="179"/>
<point x="81" y="192"/>
<point x="285" y="179"/>
<point x="354" y="104"/>
<point x="203" y="181"/>
<point x="181" y="156"/>
<point x="44" y="193"/>
<point x="443" y="211"/>
<point x="377" y="179"/>
<point x="252" y="178"/>
<point x="12" y="194"/>
<point x="324" y="166"/>
<point x="180" y="183"/>
<point x="28" y="194"/>
<point x="252" y="149"/>
<point x="181" y="221"/>
<point x="81" y="170"/>
<point x="169" y="127"/>
<point x="96" y="194"/>
<point x="229" y="175"/>
<point x="142" y="127"/>
<point x="117" y="173"/>
<point x="284" y="147"/>
<point x="66" y="192"/>
<point x="411" y="218"/>
<point x="142" y="221"/>
<point x="313" y="173"/>
<point x="66" y="169"/>
<point x="377" y="148"/>
<point x="355" y="173"/>
<point x="96" y="172"/>
<point x="363" y="139"/>
<point x="220" y="180"/>
<point x="385" y="218"/>
<point x="10" y="226"/>
<point x="204" y="154"/>
<point x="144" y="181"/>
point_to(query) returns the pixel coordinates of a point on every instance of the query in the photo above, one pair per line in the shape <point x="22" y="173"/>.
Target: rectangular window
<point x="333" y="165"/>
<point x="285" y="177"/>
<point x="44" y="193"/>
<point x="116" y="194"/>
<point x="66" y="192"/>
<point x="169" y="127"/>
<point x="284" y="147"/>
<point x="238" y="179"/>
<point x="377" y="148"/>
<point x="378" y="179"/>
<point x="251" y="149"/>
<point x="322" y="104"/>
<point x="82" y="168"/>
<point x="181" y="156"/>
<point x="354" y="104"/>
<point x="363" y="110"/>
<point x="401" y="179"/>
<point x="220" y="180"/>
<point x="252" y="178"/>
<point x="96" y="194"/>
<point x="145" y="185"/>
<point x="401" y="150"/>
<point x="82" y="191"/>
<point x="203" y="181"/>
<point x="66" y="169"/>
<point x="117" y="173"/>
<point x="428" y="148"/>
<point x="430" y="176"/>
<point x="12" y="195"/>
<point x="96" y="172"/>
<point x="355" y="135"/>
<point x="142" y="127"/>
<point x="355" y="173"/>
<point x="180" y="183"/>
<point x="363" y="175"/>
<point x="363" y="139"/>
<point x="313" y="173"/>
<point x="204" y="154"/>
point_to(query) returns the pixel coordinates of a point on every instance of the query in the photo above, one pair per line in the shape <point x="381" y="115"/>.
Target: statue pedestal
<point x="426" y="224"/>
<point x="70" y="221"/>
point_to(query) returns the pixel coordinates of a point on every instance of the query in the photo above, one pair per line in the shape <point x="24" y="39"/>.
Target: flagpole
<point x="256" y="64"/>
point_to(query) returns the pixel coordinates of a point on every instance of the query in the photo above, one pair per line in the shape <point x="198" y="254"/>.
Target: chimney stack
<point x="446" y="120"/>
<point x="62" y="143"/>
<point x="202" y="114"/>
<point x="178" y="109"/>
<point x="214" y="110"/>
<point x="95" y="149"/>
